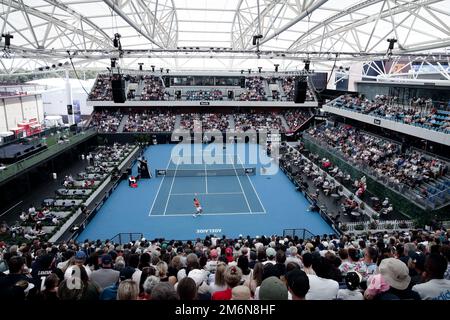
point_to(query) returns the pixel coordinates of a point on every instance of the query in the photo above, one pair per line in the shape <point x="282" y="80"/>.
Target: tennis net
<point x="207" y="173"/>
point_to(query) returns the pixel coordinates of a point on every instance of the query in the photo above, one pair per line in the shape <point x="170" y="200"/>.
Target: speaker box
<point x="300" y="90"/>
<point x="167" y="82"/>
<point x="118" y="90"/>
<point x="242" y="82"/>
<point x="230" y="94"/>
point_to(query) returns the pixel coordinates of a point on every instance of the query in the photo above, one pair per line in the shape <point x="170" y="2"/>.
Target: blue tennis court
<point x="235" y="201"/>
<point x="223" y="187"/>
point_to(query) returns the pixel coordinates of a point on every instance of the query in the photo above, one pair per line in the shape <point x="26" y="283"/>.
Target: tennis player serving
<point x="198" y="208"/>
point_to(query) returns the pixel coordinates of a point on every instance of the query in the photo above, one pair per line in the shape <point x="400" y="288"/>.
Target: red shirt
<point x="196" y="203"/>
<point x="222" y="295"/>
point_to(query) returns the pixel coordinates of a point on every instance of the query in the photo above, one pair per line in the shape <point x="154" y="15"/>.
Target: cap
<point x="273" y="288"/>
<point x="126" y="273"/>
<point x="197" y="275"/>
<point x="270" y="252"/>
<point x="80" y="255"/>
<point x="395" y="272"/>
<point x="106" y="259"/>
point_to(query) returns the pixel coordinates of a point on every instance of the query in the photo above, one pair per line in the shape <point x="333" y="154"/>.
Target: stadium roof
<point x="182" y="34"/>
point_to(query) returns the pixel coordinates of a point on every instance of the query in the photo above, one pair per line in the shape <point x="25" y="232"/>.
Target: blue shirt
<point x="109" y="293"/>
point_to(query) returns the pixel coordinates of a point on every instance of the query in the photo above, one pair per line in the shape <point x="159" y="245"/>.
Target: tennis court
<point x="235" y="201"/>
<point x="222" y="188"/>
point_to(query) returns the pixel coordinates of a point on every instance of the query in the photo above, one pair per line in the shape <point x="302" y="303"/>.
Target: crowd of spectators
<point x="198" y="95"/>
<point x="153" y="88"/>
<point x="150" y="121"/>
<point x="254" y="90"/>
<point x="384" y="158"/>
<point x="316" y="179"/>
<point x="295" y="118"/>
<point x="187" y="120"/>
<point x="420" y="111"/>
<point x="288" y="88"/>
<point x="216" y="121"/>
<point x="102" y="90"/>
<point x="149" y="87"/>
<point x="410" y="265"/>
<point x="258" y="121"/>
<point x="107" y="121"/>
<point x="41" y="221"/>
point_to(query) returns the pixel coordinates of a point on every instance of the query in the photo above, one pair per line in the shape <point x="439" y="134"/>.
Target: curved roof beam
<point x="167" y="38"/>
<point x="333" y="18"/>
<point x="167" y="30"/>
<point x="245" y="35"/>
<point x="307" y="11"/>
<point x="62" y="24"/>
<point x="247" y="27"/>
<point x="376" y="16"/>
<point x="66" y="8"/>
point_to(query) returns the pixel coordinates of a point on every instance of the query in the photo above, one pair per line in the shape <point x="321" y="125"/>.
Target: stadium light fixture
<point x="8" y="38"/>
<point x="116" y="40"/>
<point x="307" y="65"/>
<point x="391" y="43"/>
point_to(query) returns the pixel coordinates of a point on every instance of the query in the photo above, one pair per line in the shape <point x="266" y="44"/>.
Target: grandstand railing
<point x="127" y="237"/>
<point x="300" y="232"/>
<point x="377" y="226"/>
<point x="400" y="189"/>
<point x="52" y="150"/>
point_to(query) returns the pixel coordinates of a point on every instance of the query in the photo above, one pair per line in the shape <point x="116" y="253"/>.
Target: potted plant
<point x="389" y="226"/>
<point x="359" y="227"/>
<point x="343" y="227"/>
<point x="373" y="225"/>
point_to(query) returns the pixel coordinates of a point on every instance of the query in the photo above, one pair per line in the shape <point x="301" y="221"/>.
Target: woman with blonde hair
<point x="218" y="282"/>
<point x="161" y="271"/>
<point x="233" y="276"/>
<point x="128" y="290"/>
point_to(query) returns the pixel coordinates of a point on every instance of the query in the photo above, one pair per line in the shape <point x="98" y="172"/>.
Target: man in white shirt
<point x="320" y="287"/>
<point x="436" y="288"/>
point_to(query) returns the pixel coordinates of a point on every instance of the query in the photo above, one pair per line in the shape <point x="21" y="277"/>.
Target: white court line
<point x="245" y="196"/>
<point x="209" y="214"/>
<point x="159" y="188"/>
<point x="171" y="186"/>
<point x="204" y="194"/>
<point x="251" y="183"/>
